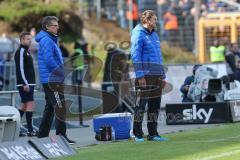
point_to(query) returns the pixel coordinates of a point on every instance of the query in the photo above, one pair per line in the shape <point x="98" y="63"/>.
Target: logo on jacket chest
<point x="151" y="41"/>
<point x="148" y="40"/>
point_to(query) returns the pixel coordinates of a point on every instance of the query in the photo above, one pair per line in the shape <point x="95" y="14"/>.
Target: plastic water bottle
<point x="113" y="134"/>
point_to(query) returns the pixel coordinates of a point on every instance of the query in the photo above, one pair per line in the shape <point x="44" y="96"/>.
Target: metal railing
<point x="12" y="94"/>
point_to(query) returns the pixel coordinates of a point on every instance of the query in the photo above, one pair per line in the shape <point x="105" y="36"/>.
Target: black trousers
<point x="55" y="106"/>
<point x="150" y="95"/>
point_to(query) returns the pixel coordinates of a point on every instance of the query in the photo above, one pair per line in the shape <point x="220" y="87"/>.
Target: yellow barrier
<point x="217" y="26"/>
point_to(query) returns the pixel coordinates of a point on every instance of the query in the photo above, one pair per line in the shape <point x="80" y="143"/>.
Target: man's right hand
<point x="26" y="88"/>
<point x="142" y="82"/>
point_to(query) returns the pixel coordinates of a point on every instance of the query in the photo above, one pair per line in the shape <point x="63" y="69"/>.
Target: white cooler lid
<point x="108" y="115"/>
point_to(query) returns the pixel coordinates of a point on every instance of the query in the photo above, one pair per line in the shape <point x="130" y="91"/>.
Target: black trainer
<point x="71" y="142"/>
<point x="22" y="134"/>
<point x="32" y="134"/>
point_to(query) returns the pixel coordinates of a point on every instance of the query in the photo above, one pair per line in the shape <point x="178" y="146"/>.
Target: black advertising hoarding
<point x="197" y="113"/>
<point x="19" y="150"/>
<point x="52" y="147"/>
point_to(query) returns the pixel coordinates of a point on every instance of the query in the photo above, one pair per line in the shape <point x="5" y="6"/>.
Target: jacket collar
<point x="146" y="30"/>
<point x="51" y="35"/>
<point x="23" y="46"/>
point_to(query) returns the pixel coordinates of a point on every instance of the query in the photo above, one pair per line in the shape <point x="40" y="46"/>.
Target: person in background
<point x="232" y="58"/>
<point x="162" y="7"/>
<point x="25" y="76"/>
<point x="63" y="49"/>
<point x="2" y="61"/>
<point x="78" y="64"/>
<point x="34" y="45"/>
<point x="121" y="14"/>
<point x="237" y="72"/>
<point x="178" y="11"/>
<point x="171" y="28"/>
<point x="189" y="31"/>
<point x="187" y="82"/>
<point x="82" y="45"/>
<point x="217" y="52"/>
<point x="133" y="14"/>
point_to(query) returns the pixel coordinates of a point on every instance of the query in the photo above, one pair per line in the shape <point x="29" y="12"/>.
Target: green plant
<point x="176" y="55"/>
<point x="24" y="14"/>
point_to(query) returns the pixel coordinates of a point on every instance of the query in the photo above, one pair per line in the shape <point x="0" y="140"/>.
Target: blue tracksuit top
<point x="50" y="61"/>
<point x="146" y="53"/>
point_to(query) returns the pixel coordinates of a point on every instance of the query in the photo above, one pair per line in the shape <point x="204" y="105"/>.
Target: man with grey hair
<point x="51" y="72"/>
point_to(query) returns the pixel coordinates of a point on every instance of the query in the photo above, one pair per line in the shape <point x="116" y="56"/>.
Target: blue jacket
<point x="50" y="61"/>
<point x="146" y="53"/>
<point x="187" y="82"/>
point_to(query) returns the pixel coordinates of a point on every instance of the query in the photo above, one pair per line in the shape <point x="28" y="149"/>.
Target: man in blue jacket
<point x="50" y="63"/>
<point x="147" y="60"/>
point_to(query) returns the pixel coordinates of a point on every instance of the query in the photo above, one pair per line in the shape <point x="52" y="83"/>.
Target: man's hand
<point x="26" y="88"/>
<point x="142" y="82"/>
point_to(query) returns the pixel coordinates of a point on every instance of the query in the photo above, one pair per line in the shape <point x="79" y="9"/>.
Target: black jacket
<point x="231" y="59"/>
<point x="25" y="73"/>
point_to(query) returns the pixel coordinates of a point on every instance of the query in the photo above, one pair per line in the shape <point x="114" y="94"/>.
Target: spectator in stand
<point x="171" y="27"/>
<point x="179" y="13"/>
<point x="34" y="45"/>
<point x="132" y="15"/>
<point x="121" y="14"/>
<point x="185" y="12"/>
<point x="232" y="8"/>
<point x="232" y="58"/>
<point x="218" y="6"/>
<point x="212" y="6"/>
<point x="189" y="31"/>
<point x="237" y="72"/>
<point x="186" y="5"/>
<point x="204" y="10"/>
<point x="110" y="10"/>
<point x="162" y="7"/>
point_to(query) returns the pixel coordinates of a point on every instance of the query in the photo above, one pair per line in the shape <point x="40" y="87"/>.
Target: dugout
<point x="222" y="26"/>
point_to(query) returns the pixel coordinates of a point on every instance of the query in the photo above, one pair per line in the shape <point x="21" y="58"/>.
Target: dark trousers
<point x="55" y="106"/>
<point x="150" y="95"/>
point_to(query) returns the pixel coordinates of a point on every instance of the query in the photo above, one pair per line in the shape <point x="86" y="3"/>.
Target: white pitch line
<point x="225" y="154"/>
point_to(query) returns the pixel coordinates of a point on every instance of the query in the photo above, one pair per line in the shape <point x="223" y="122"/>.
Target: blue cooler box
<point x="121" y="122"/>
